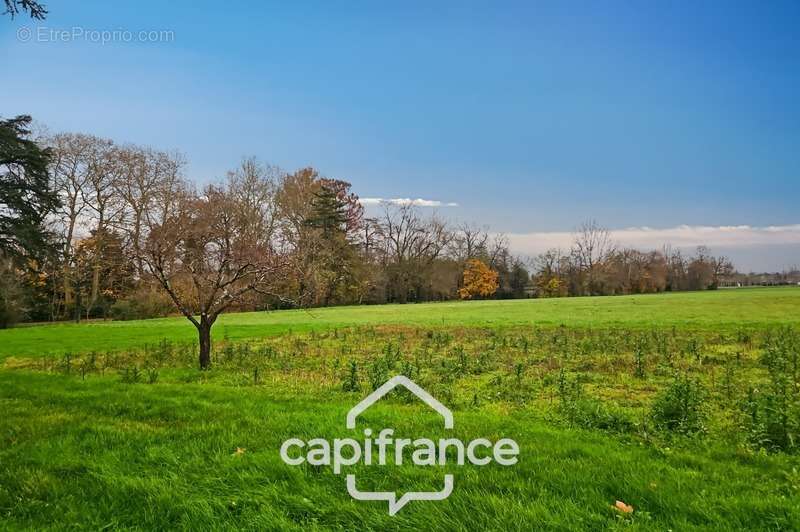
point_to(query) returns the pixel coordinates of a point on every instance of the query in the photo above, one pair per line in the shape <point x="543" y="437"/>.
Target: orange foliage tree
<point x="479" y="280"/>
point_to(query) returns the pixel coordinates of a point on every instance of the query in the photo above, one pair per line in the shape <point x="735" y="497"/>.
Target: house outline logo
<point x="396" y="504"/>
<point x="390" y="385"/>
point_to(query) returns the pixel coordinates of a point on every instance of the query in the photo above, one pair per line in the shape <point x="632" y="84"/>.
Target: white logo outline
<point x="396" y="504"/>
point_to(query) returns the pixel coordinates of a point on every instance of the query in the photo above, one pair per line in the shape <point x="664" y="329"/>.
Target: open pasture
<point x="683" y="406"/>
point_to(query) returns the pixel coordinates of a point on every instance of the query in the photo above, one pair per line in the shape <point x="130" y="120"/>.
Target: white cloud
<point x="682" y="236"/>
<point x="419" y="202"/>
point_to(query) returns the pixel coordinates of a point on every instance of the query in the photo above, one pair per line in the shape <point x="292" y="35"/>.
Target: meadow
<point x="686" y="407"/>
<point x="720" y="310"/>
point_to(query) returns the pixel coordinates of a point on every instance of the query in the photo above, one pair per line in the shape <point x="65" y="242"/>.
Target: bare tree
<point x="497" y="249"/>
<point x="293" y="198"/>
<point x="105" y="205"/>
<point x="144" y="176"/>
<point x="371" y="230"/>
<point x="409" y="237"/>
<point x="592" y="245"/>
<point x="550" y="269"/>
<point x="254" y="187"/>
<point x="410" y="244"/>
<point x="722" y="268"/>
<point x="71" y="169"/>
<point x="209" y="253"/>
<point x="676" y="264"/>
<point x="469" y="240"/>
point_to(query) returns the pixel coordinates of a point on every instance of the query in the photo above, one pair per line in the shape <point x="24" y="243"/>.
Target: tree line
<point x="90" y="228"/>
<point x="93" y="251"/>
<point x="595" y="265"/>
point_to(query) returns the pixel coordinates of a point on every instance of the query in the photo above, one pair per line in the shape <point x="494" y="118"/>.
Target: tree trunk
<point x="204" y="330"/>
<point x="137" y="249"/>
<point x="67" y="259"/>
<point x="99" y="245"/>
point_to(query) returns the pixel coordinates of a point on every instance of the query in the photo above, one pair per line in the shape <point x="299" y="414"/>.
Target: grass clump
<point x="583" y="411"/>
<point x="771" y="412"/>
<point x="680" y="409"/>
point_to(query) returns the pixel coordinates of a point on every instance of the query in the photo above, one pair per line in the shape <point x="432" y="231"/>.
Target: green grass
<point x="100" y="454"/>
<point x="722" y="309"/>
<point x="87" y="442"/>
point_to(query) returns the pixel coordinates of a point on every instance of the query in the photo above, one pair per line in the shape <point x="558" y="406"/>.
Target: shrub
<point x="679" y="408"/>
<point x="378" y="373"/>
<point x="350" y="380"/>
<point x="591" y="413"/>
<point x="771" y="419"/>
<point x="141" y="304"/>
<point x="123" y="310"/>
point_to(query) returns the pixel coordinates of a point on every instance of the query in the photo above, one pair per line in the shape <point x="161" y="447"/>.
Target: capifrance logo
<point x="376" y="448"/>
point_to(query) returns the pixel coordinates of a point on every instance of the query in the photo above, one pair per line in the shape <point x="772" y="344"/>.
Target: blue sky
<point x="530" y="116"/>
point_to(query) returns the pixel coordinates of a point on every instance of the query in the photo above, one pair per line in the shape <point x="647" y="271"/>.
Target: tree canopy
<point x="25" y="194"/>
<point x="35" y="9"/>
<point x="479" y="280"/>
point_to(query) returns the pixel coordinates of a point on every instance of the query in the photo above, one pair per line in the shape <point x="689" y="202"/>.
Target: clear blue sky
<point x="531" y="116"/>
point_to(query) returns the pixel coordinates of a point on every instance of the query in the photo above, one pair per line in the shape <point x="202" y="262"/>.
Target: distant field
<point x="722" y="309"/>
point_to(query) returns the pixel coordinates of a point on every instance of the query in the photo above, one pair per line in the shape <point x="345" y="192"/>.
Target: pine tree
<point x="329" y="212"/>
<point x="25" y="193"/>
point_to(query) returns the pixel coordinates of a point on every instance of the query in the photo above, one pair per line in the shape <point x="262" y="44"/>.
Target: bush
<point x="123" y="310"/>
<point x="679" y="408"/>
<point x="141" y="304"/>
<point x="378" y="373"/>
<point x="771" y="419"/>
<point x="350" y="379"/>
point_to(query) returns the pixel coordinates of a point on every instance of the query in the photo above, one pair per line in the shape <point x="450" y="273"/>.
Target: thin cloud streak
<point x="682" y="236"/>
<point x="419" y="202"/>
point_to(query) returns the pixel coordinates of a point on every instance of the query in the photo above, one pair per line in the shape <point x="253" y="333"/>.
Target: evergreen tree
<point x="329" y="212"/>
<point x="25" y="193"/>
<point x="35" y="9"/>
<point x="331" y="256"/>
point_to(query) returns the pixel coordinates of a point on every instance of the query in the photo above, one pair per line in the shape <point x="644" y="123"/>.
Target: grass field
<point x="684" y="406"/>
<point x="721" y="310"/>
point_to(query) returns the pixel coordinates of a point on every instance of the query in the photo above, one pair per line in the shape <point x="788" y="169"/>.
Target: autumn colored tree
<point x="479" y="280"/>
<point x="320" y="224"/>
<point x="211" y="251"/>
<point x="102" y="254"/>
